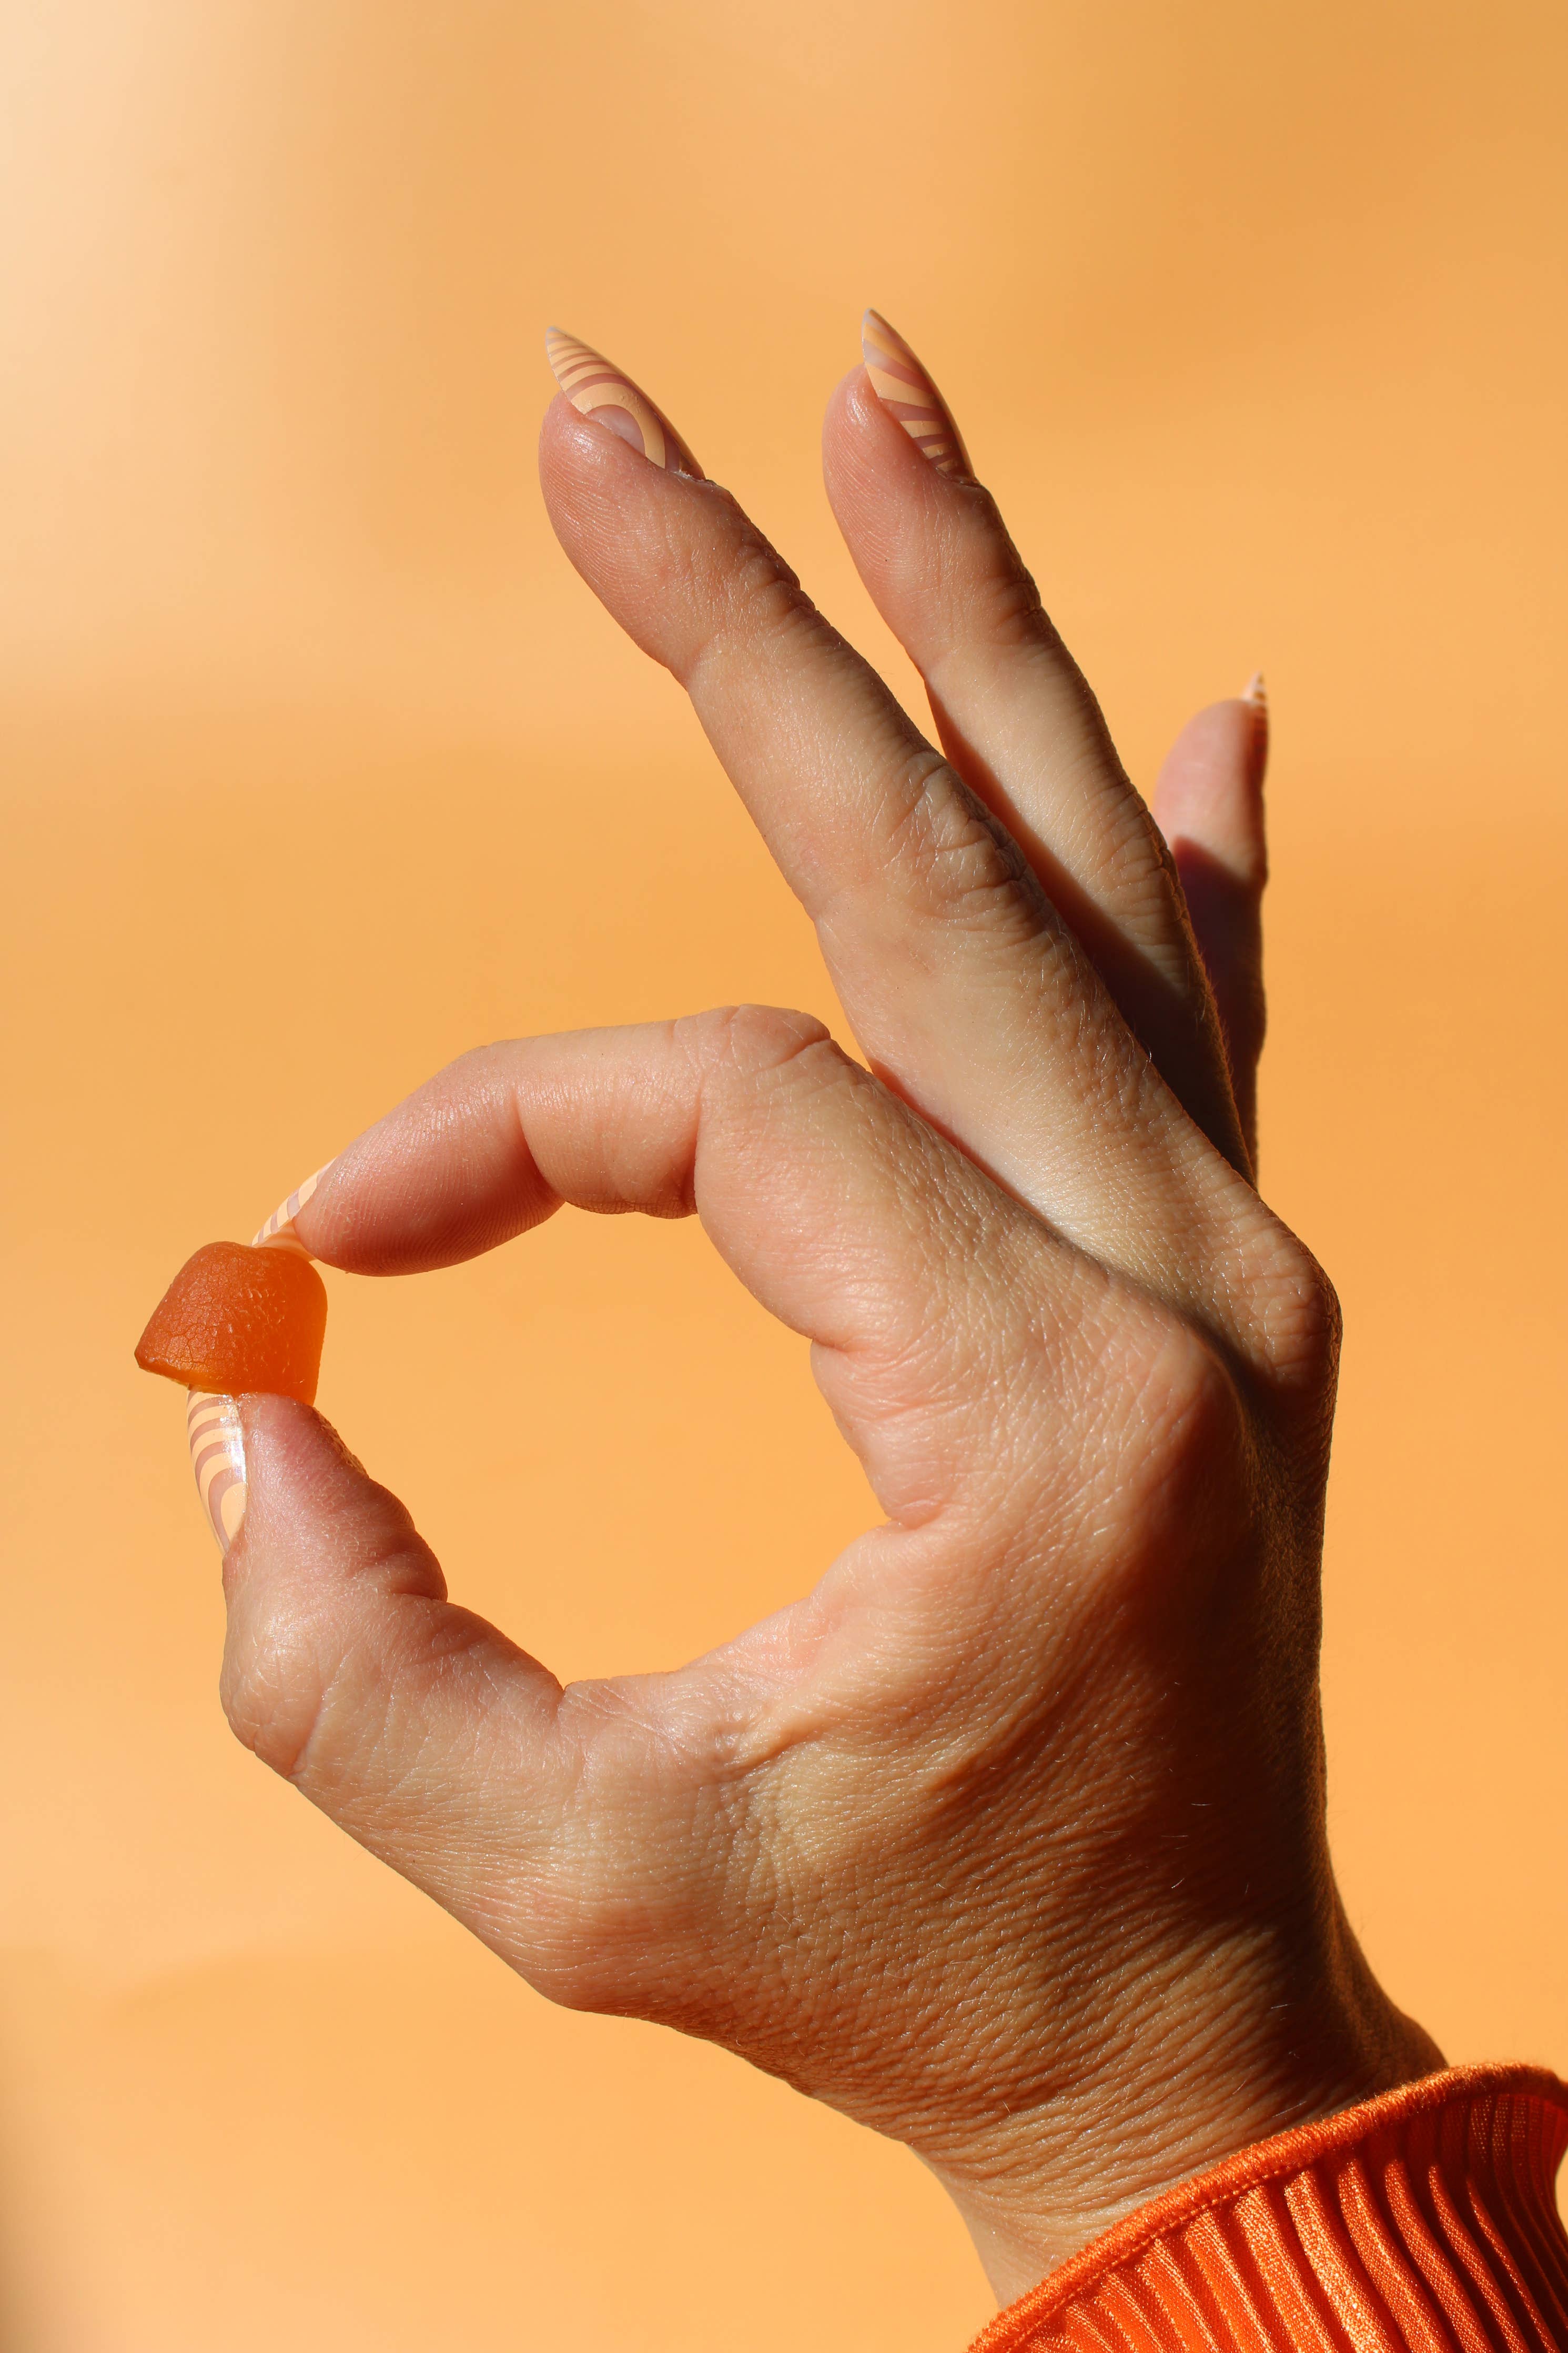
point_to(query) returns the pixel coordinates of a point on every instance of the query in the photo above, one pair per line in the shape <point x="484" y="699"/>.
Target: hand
<point x="1008" y="1839"/>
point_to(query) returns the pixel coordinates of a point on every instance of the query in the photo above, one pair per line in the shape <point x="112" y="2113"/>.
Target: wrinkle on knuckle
<point x="273" y="1687"/>
<point x="616" y="1896"/>
<point x="1183" y="1441"/>
<point x="956" y="1331"/>
<point x="1137" y="861"/>
<point x="761" y="594"/>
<point x="744" y="597"/>
<point x="1002" y="605"/>
<point x="953" y="863"/>
<point x="388" y="1703"/>
<point x="750" y="1039"/>
<point x="1302" y="1325"/>
<point x="1287" y="1312"/>
<point x="288" y="1659"/>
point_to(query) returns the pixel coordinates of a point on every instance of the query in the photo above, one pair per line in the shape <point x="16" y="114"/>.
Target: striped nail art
<point x="217" y="1458"/>
<point x="903" y="387"/>
<point x="1257" y="701"/>
<point x="602" y="392"/>
<point x="279" y="1227"/>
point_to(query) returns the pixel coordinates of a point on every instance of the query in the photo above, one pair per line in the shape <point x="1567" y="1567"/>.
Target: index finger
<point x="419" y="1727"/>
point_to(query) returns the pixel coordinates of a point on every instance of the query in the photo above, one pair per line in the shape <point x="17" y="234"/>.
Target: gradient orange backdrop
<point x="321" y="765"/>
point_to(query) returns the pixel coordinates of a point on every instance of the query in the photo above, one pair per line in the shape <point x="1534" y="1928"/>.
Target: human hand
<point x="1008" y="1839"/>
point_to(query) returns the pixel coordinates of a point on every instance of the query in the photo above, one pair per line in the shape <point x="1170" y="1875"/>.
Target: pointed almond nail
<point x="905" y="389"/>
<point x="1256" y="699"/>
<point x="279" y="1230"/>
<point x="610" y="398"/>
<point x="217" y="1458"/>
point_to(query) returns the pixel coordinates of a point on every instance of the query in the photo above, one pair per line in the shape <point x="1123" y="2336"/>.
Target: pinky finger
<point x="1208" y="804"/>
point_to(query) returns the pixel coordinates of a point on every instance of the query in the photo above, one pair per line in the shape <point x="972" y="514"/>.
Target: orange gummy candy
<point x="235" y="1319"/>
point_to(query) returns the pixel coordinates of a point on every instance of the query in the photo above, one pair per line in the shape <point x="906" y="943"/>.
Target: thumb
<point x="348" y="1671"/>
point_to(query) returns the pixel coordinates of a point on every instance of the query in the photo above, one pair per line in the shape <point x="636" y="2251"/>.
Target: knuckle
<point x="1186" y="1452"/>
<point x="273" y="1687"/>
<point x="477" y="1071"/>
<point x="738" y="588"/>
<point x="760" y="594"/>
<point x="311" y="1662"/>
<point x="953" y="861"/>
<point x="1293" y="1322"/>
<point x="620" y="1892"/>
<point x="983" y="592"/>
<point x="1188" y="1398"/>
<point x="751" y="1040"/>
<point x="586" y="1942"/>
<point x="1302" y="1323"/>
<point x="1001" y="603"/>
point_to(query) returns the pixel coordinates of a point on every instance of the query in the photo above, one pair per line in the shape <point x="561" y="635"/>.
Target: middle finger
<point x="1014" y="713"/>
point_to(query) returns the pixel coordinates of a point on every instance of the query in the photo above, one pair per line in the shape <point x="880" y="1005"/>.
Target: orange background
<point x="322" y="766"/>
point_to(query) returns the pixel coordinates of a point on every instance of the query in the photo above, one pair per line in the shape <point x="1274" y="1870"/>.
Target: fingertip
<point x="1222" y="733"/>
<point x="578" y="461"/>
<point x="852" y="405"/>
<point x="311" y="1507"/>
<point x="859" y="440"/>
<point x="1210" y="788"/>
<point x="864" y="444"/>
<point x="295" y="1441"/>
<point x="312" y="1219"/>
<point x="599" y="492"/>
<point x="913" y="531"/>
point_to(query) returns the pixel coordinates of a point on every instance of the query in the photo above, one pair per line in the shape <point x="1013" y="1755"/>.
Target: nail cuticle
<point x="604" y="394"/>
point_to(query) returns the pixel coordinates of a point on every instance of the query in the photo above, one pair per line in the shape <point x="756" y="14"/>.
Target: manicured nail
<point x="603" y="393"/>
<point x="217" y="1458"/>
<point x="279" y="1230"/>
<point x="902" y="386"/>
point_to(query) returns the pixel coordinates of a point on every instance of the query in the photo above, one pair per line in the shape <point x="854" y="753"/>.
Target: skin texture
<point x="1008" y="1839"/>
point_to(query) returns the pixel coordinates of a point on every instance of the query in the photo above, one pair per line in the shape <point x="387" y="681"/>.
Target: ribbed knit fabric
<point x="1424" y="2219"/>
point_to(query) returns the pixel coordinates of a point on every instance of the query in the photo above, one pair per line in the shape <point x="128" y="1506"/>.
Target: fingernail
<point x="603" y="393"/>
<point x="903" y="387"/>
<point x="1255" y="692"/>
<point x="279" y="1230"/>
<point x="217" y="1458"/>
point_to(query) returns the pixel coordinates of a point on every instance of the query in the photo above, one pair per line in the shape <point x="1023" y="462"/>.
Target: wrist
<point x="1227" y="2056"/>
<point x="1419" y="2215"/>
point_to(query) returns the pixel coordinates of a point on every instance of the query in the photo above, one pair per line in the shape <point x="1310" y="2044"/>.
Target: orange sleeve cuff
<point x="1420" y="2222"/>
